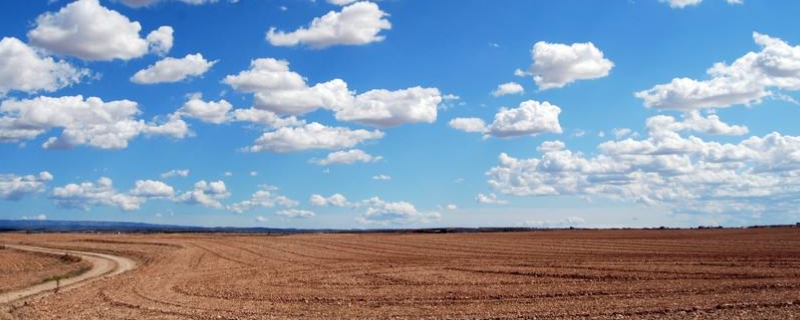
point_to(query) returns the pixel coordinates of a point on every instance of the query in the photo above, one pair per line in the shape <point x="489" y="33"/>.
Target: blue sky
<point x="401" y="113"/>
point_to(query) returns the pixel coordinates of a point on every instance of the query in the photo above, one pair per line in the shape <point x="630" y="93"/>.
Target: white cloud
<point x="380" y="212"/>
<point x="147" y="3"/>
<point x="680" y="4"/>
<point x="208" y="111"/>
<point x="89" y="31"/>
<point x="557" y="65"/>
<point x="312" y="136"/>
<point x="695" y="122"/>
<point x="278" y="89"/>
<point x="357" y="24"/>
<point x="382" y="177"/>
<point x="253" y="173"/>
<point x="508" y="88"/>
<point x="748" y="80"/>
<point x="336" y="200"/>
<point x="207" y="194"/>
<point x="264" y="198"/>
<point x="152" y="189"/>
<point x="682" y="174"/>
<point x="261" y="219"/>
<point x="24" y="69"/>
<point x="549" y="146"/>
<point x="173" y="70"/>
<point x="489" y="199"/>
<point x="469" y="125"/>
<point x="530" y="118"/>
<point x="295" y="213"/>
<point x="40" y="217"/>
<point x="14" y="187"/>
<point x="620" y="133"/>
<point x="265" y="118"/>
<point x="183" y="173"/>
<point x="347" y="157"/>
<point x="384" y="108"/>
<point x="161" y="40"/>
<point x="451" y="207"/>
<point x="559" y="223"/>
<point x="88" y="194"/>
<point x="104" y="125"/>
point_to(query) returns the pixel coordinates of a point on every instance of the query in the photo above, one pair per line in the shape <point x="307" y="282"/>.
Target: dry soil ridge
<point x="103" y="265"/>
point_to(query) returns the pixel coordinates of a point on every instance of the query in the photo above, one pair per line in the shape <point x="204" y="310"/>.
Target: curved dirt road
<point x="103" y="265"/>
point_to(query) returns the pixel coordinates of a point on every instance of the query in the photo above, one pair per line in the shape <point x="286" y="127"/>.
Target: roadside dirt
<point x="99" y="265"/>
<point x="20" y="269"/>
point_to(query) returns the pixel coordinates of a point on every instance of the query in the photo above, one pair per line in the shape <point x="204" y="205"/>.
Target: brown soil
<point x="20" y="269"/>
<point x="658" y="274"/>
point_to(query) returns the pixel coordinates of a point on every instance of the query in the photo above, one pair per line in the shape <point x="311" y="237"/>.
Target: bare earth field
<point x="20" y="269"/>
<point x="633" y="274"/>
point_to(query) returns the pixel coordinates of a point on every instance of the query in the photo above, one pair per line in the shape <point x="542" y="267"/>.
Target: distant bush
<point x="68" y="258"/>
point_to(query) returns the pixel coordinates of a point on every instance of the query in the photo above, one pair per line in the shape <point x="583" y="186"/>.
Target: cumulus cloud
<point x="680" y="4"/>
<point x="312" y="136"/>
<point x="87" y="30"/>
<point x="473" y="125"/>
<point x="357" y="24"/>
<point x="160" y="40"/>
<point x="207" y="194"/>
<point x="264" y="198"/>
<point x="557" y="65"/>
<point x="381" y="213"/>
<point x="93" y="122"/>
<point x="381" y="177"/>
<point x="530" y="118"/>
<point x="508" y="88"/>
<point x="384" y="108"/>
<point x="489" y="199"/>
<point x="147" y="3"/>
<point x="666" y="169"/>
<point x="347" y="157"/>
<point x="277" y="89"/>
<point x="748" y="80"/>
<point x="39" y="217"/>
<point x="183" y="173"/>
<point x="296" y="213"/>
<point x="173" y="70"/>
<point x="335" y="200"/>
<point x="207" y="111"/>
<point x="14" y="187"/>
<point x="558" y="223"/>
<point x="25" y="69"/>
<point x="90" y="194"/>
<point x="152" y="189"/>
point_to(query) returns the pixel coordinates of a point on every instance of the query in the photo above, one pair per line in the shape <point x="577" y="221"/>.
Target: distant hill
<point x="105" y="226"/>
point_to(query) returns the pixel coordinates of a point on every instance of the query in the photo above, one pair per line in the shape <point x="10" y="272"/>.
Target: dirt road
<point x="102" y="265"/>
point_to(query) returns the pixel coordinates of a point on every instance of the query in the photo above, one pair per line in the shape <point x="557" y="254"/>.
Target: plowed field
<point x="19" y="269"/>
<point x="632" y="274"/>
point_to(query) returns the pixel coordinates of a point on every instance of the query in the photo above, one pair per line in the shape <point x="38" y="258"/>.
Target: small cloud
<point x="253" y="173"/>
<point x="183" y="173"/>
<point x="382" y="177"/>
<point x="489" y="199"/>
<point x="40" y="217"/>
